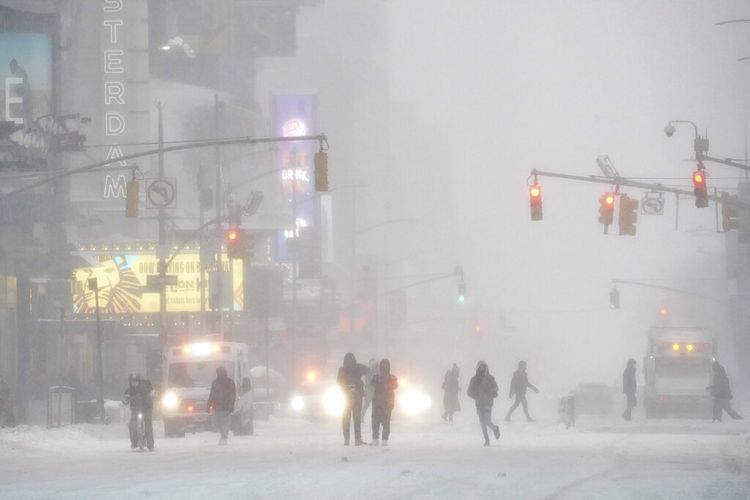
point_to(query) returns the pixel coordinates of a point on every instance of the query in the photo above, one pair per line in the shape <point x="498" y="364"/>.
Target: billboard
<point x="26" y="76"/>
<point x="122" y="280"/>
<point x="296" y="115"/>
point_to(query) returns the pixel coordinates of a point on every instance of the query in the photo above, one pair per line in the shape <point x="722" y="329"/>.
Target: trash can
<point x="61" y="406"/>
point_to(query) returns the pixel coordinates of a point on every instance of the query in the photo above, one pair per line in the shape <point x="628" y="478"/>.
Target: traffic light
<point x="700" y="189"/>
<point x="535" y="198"/>
<point x="131" y="199"/>
<point x="606" y="208"/>
<point x="730" y="213"/>
<point x="321" y="171"/>
<point x="461" y="293"/>
<point x="628" y="215"/>
<point x="235" y="241"/>
<point x="614" y="299"/>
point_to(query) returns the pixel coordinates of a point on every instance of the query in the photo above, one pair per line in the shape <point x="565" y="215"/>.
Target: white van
<point x="189" y="371"/>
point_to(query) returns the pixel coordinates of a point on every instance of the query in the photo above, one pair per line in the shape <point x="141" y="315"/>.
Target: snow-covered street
<point x="289" y="458"/>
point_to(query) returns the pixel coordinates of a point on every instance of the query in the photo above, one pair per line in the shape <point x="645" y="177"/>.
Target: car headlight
<point x="414" y="402"/>
<point x="333" y="402"/>
<point x="297" y="403"/>
<point x="170" y="401"/>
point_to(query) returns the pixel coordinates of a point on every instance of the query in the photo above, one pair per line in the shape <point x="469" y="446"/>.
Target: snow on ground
<point x="292" y="458"/>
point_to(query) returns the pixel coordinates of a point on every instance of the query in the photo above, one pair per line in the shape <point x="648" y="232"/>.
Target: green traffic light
<point x="462" y="298"/>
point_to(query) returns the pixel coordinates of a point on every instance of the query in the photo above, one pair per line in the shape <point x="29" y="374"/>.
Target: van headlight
<point x="297" y="403"/>
<point x="170" y="401"/>
<point x="414" y="402"/>
<point x="333" y="402"/>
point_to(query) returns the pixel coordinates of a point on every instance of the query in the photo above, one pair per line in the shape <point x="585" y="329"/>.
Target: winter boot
<point x="486" y="442"/>
<point x="222" y="441"/>
<point x="496" y="430"/>
<point x="358" y="442"/>
<point x="376" y="442"/>
<point x="385" y="442"/>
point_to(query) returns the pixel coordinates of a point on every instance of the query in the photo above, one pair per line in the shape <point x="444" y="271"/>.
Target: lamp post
<point x="94" y="285"/>
<point x="700" y="144"/>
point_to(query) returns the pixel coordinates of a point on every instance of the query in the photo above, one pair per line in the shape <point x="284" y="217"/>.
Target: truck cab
<point x="677" y="371"/>
<point x="188" y="373"/>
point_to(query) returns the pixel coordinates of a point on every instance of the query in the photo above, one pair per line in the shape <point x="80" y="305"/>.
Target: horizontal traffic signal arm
<point x="322" y="138"/>
<point x="669" y="289"/>
<point x="624" y="181"/>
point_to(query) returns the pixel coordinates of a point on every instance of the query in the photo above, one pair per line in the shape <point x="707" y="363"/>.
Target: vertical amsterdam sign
<point x="114" y="90"/>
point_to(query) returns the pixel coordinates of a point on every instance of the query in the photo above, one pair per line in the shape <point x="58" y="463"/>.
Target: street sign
<point x="652" y="203"/>
<point x="161" y="193"/>
<point x="155" y="280"/>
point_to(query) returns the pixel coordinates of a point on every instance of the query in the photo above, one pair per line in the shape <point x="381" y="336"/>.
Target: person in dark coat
<point x="221" y="401"/>
<point x="350" y="379"/>
<point x="483" y="390"/>
<point x="518" y="385"/>
<point x="629" y="387"/>
<point x="383" y="400"/>
<point x="721" y="393"/>
<point x="139" y="395"/>
<point x="450" y="394"/>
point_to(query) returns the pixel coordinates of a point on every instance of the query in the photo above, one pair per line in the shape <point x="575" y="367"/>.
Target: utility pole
<point x="219" y="253"/>
<point x="202" y="262"/>
<point x="161" y="249"/>
<point x="353" y="259"/>
<point x="94" y="285"/>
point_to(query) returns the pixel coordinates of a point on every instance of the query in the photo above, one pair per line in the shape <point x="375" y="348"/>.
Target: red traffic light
<point x="698" y="178"/>
<point x="535" y="199"/>
<point x="234" y="239"/>
<point x="606" y="208"/>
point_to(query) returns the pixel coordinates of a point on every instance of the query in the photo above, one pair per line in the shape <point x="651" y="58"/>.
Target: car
<point x="323" y="398"/>
<point x="594" y="399"/>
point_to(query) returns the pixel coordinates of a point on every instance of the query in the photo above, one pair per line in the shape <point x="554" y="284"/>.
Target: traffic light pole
<point x="219" y="253"/>
<point x="161" y="249"/>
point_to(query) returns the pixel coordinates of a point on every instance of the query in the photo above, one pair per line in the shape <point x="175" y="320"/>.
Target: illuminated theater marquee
<point x="114" y="89"/>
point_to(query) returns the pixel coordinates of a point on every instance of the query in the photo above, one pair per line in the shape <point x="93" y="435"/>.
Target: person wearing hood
<point x="721" y="393"/>
<point x="450" y="394"/>
<point x="221" y="402"/>
<point x="518" y="385"/>
<point x="350" y="379"/>
<point x="139" y="395"/>
<point x="384" y="387"/>
<point x="368" y="386"/>
<point x="629" y="387"/>
<point x="483" y="390"/>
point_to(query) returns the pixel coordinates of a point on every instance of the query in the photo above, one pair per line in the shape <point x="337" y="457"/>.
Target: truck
<point x="189" y="371"/>
<point x="677" y="372"/>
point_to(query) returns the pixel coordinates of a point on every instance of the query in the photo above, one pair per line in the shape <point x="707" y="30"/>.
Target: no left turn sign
<point x="161" y="193"/>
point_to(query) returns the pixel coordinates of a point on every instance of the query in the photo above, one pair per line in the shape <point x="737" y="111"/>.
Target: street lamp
<point x="700" y="144"/>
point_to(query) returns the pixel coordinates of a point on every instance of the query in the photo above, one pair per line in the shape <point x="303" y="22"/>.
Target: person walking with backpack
<point x="383" y="400"/>
<point x="221" y="402"/>
<point x="350" y="380"/>
<point x="483" y="390"/>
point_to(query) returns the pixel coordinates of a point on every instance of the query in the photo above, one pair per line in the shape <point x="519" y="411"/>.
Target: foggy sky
<point x="499" y="88"/>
